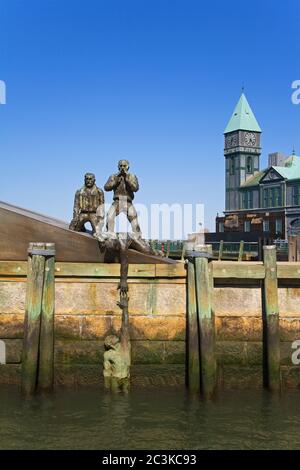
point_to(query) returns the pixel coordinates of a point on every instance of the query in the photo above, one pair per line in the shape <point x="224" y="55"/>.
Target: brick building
<point x="265" y="201"/>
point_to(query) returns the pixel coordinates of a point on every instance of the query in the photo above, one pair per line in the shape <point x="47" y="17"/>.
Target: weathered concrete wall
<point x="86" y="312"/>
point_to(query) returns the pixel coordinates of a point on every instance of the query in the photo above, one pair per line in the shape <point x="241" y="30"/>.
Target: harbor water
<point x="148" y="419"/>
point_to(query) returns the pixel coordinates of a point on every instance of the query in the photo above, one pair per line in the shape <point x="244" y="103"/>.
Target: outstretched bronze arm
<point x="123" y="303"/>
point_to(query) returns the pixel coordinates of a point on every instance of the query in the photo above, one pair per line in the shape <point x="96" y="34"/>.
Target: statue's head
<point x="89" y="180"/>
<point x="123" y="165"/>
<point x="112" y="342"/>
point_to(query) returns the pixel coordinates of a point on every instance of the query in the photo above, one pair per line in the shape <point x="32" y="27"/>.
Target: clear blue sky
<point x="154" y="81"/>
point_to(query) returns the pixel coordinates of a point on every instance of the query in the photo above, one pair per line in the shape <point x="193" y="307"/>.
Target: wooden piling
<point x="211" y="281"/>
<point x="37" y="359"/>
<point x="34" y="295"/>
<point x="294" y="247"/>
<point x="241" y="251"/>
<point x="46" y="357"/>
<point x="271" y="319"/>
<point x="193" y="353"/>
<point x="221" y="248"/>
<point x="260" y="249"/>
<point x="204" y="288"/>
<point x="183" y="251"/>
<point x="168" y="248"/>
<point x="297" y="248"/>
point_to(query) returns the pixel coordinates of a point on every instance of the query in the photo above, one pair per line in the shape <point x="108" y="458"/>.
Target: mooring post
<point x="34" y="295"/>
<point x="183" y="251"/>
<point x="193" y="347"/>
<point x="292" y="245"/>
<point x="297" y="248"/>
<point x="221" y="247"/>
<point x="46" y="357"/>
<point x="204" y="286"/>
<point x="271" y="320"/>
<point x="211" y="280"/>
<point x="241" y="251"/>
<point x="260" y="249"/>
<point x="168" y="248"/>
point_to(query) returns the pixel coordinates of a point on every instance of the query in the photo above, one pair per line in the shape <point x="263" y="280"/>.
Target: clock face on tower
<point x="250" y="139"/>
<point x="231" y="141"/>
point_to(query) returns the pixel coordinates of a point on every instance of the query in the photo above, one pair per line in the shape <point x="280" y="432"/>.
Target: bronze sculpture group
<point x="89" y="201"/>
<point x="89" y="207"/>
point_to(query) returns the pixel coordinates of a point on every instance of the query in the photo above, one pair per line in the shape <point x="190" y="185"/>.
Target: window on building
<point x="243" y="200"/>
<point x="265" y="197"/>
<point x="231" y="166"/>
<point x="249" y="165"/>
<point x="221" y="226"/>
<point x="296" y="195"/>
<point x="247" y="226"/>
<point x="266" y="226"/>
<point x="278" y="227"/>
<point x="247" y="200"/>
<point x="272" y="197"/>
<point x="295" y="223"/>
<point x="277" y="196"/>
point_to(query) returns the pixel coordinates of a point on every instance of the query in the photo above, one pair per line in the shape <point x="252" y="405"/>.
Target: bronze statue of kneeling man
<point x="88" y="206"/>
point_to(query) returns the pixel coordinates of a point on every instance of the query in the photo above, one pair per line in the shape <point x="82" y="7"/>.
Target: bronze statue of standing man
<point x="124" y="185"/>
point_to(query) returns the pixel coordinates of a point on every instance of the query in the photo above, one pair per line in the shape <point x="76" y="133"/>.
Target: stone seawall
<point x="86" y="311"/>
<point x="239" y="335"/>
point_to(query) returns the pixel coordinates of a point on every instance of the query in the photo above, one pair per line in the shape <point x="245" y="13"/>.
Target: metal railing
<point x="222" y="250"/>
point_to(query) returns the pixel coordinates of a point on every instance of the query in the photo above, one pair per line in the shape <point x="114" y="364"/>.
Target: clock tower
<point x="242" y="151"/>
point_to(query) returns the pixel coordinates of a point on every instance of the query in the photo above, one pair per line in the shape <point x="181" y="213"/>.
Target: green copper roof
<point x="254" y="180"/>
<point x="291" y="168"/>
<point x="242" y="118"/>
<point x="290" y="171"/>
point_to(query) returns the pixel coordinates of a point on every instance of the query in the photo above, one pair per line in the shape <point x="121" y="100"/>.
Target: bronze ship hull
<point x="19" y="227"/>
